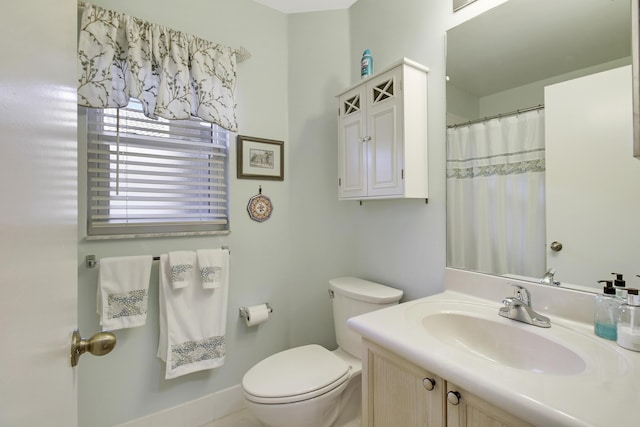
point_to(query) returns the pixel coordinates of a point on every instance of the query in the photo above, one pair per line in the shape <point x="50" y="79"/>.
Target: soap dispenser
<point x="620" y="285"/>
<point x="629" y="322"/>
<point x="606" y="314"/>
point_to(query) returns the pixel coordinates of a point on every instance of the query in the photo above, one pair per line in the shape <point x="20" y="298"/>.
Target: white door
<point x="38" y="214"/>
<point x="592" y="178"/>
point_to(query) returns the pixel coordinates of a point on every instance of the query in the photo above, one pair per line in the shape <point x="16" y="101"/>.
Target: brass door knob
<point x="98" y="345"/>
<point x="556" y="246"/>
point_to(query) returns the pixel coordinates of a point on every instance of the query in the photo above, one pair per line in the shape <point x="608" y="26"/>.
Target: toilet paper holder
<point x="244" y="312"/>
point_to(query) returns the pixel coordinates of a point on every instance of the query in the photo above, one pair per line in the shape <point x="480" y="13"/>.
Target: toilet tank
<point x="352" y="296"/>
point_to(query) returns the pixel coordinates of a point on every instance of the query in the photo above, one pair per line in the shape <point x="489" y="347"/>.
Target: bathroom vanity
<point x="399" y="392"/>
<point x="451" y="360"/>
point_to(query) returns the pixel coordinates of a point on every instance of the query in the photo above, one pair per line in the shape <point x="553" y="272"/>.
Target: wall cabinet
<point x="383" y="135"/>
<point x="399" y="393"/>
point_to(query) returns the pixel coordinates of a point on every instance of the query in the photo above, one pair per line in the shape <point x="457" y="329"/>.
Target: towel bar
<point x="90" y="261"/>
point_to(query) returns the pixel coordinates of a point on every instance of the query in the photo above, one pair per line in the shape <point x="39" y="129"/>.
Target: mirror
<point x="635" y="46"/>
<point x="500" y="61"/>
<point x="459" y="4"/>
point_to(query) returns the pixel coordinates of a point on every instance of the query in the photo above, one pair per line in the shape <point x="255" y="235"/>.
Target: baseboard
<point x="194" y="413"/>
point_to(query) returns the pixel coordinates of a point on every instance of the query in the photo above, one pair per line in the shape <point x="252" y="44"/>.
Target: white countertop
<point x="606" y="393"/>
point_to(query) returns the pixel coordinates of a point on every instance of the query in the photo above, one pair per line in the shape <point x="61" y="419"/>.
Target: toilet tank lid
<point x="364" y="290"/>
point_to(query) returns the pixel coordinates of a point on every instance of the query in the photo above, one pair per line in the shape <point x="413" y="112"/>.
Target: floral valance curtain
<point x="175" y="75"/>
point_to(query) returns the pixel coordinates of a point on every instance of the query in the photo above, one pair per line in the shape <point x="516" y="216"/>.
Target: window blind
<point x="150" y="176"/>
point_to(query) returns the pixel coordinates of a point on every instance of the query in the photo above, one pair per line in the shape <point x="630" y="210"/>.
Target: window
<point x="155" y="176"/>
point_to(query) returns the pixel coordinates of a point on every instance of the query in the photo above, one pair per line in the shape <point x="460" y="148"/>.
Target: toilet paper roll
<point x="257" y="314"/>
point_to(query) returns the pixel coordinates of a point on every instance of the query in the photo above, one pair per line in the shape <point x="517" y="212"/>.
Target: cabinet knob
<point x="454" y="397"/>
<point x="365" y="138"/>
<point x="429" y="383"/>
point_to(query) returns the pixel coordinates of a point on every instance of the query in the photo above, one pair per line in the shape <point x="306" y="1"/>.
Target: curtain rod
<point x="497" y="116"/>
<point x="241" y="53"/>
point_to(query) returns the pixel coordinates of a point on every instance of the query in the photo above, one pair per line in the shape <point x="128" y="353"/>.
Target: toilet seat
<point x="295" y="375"/>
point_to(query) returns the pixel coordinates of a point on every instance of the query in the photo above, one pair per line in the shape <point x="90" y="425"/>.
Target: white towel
<point x="182" y="266"/>
<point x="192" y="325"/>
<point x="123" y="291"/>
<point x="213" y="265"/>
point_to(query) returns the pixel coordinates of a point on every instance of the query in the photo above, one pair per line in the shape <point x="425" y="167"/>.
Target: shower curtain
<point x="496" y="195"/>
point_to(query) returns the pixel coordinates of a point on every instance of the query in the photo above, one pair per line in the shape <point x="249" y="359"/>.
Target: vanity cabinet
<point x="383" y="135"/>
<point x="465" y="409"/>
<point x="399" y="393"/>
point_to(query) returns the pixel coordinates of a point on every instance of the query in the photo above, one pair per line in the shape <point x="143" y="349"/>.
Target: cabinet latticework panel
<point x="351" y="105"/>
<point x="383" y="91"/>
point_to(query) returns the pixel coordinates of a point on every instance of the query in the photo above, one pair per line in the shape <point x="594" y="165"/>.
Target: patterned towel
<point x="122" y="296"/>
<point x="182" y="266"/>
<point x="213" y="265"/>
<point x="192" y="325"/>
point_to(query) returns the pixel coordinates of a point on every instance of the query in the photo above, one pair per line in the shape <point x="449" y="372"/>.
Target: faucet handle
<point x="521" y="293"/>
<point x="511" y="302"/>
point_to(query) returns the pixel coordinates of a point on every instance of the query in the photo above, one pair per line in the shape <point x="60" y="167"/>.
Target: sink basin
<point x="504" y="344"/>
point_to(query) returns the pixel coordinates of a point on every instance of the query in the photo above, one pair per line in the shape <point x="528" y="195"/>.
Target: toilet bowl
<point x="309" y="395"/>
<point x="310" y="386"/>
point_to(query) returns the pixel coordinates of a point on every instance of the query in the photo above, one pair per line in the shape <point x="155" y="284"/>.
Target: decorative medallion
<point x="259" y="207"/>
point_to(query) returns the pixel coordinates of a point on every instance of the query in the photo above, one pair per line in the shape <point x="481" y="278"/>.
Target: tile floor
<point x="245" y="419"/>
<point x="237" y="419"/>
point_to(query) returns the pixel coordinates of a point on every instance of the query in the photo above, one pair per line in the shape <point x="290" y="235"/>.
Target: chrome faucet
<point x="518" y="307"/>
<point x="549" y="279"/>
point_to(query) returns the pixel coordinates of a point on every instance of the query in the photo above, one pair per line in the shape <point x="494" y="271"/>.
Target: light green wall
<point x="462" y="107"/>
<point x="403" y="242"/>
<point x="533" y="93"/>
<point x="322" y="240"/>
<point x="130" y="381"/>
<point x="285" y="91"/>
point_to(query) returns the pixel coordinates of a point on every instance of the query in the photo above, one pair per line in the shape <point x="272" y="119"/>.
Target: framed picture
<point x="260" y="158"/>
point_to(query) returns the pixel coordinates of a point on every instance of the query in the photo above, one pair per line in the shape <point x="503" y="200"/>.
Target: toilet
<point x="310" y="386"/>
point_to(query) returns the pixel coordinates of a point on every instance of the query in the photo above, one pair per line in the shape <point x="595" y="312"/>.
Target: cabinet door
<point x="352" y="163"/>
<point x="467" y="410"/>
<point x="398" y="393"/>
<point x="384" y="129"/>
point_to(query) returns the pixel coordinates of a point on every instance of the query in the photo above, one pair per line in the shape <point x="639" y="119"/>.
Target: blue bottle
<point x="606" y="315"/>
<point x="366" y="64"/>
